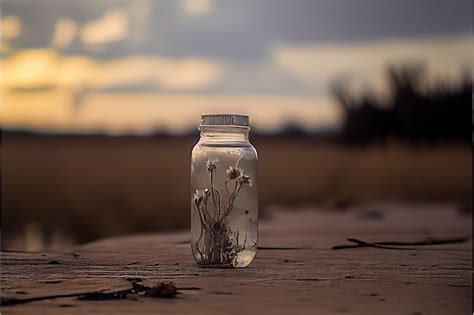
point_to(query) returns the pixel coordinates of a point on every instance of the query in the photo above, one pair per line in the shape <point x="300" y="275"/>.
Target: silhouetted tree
<point x="415" y="111"/>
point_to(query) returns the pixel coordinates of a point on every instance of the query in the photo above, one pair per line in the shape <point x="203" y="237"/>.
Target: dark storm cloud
<point x="247" y="29"/>
<point x="352" y="20"/>
<point x="243" y="29"/>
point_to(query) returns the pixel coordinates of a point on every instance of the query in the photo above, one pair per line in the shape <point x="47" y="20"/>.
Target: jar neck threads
<point x="224" y="133"/>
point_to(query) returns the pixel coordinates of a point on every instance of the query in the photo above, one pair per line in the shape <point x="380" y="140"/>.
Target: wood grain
<point x="295" y="271"/>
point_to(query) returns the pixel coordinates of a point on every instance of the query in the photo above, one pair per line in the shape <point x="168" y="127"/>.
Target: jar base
<point x="244" y="259"/>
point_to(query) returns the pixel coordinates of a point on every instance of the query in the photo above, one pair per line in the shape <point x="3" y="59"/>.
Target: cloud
<point x="174" y="74"/>
<point x="29" y="68"/>
<point x="10" y="27"/>
<point x="366" y="62"/>
<point x="140" y="14"/>
<point x="111" y="27"/>
<point x="197" y="7"/>
<point x="5" y="47"/>
<point x="65" y="31"/>
<point x="34" y="68"/>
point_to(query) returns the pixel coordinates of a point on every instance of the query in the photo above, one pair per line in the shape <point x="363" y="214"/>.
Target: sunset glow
<point x="119" y="71"/>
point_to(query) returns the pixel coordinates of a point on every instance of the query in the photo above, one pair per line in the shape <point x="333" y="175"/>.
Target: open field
<point x="59" y="190"/>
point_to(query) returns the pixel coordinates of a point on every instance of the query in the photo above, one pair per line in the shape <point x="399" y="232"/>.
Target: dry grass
<point x="91" y="187"/>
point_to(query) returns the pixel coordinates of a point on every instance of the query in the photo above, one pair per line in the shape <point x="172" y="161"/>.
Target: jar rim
<point x="224" y="120"/>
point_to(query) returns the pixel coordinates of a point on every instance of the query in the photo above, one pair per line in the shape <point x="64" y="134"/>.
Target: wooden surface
<point x="295" y="271"/>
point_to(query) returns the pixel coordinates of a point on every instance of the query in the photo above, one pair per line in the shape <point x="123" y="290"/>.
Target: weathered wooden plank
<point x="295" y="272"/>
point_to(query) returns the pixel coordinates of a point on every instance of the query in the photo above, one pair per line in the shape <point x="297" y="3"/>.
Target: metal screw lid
<point x="224" y="120"/>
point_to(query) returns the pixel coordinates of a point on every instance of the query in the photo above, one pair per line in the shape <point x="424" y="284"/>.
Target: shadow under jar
<point x="224" y="195"/>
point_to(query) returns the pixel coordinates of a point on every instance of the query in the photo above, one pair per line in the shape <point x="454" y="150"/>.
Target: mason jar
<point x="224" y="195"/>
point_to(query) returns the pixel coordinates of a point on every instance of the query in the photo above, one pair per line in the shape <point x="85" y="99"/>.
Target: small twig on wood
<point x="105" y="296"/>
<point x="396" y="244"/>
<point x="161" y="290"/>
<point x="429" y="241"/>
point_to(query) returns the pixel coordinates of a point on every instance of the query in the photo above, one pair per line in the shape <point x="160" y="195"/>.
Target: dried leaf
<point x="162" y="290"/>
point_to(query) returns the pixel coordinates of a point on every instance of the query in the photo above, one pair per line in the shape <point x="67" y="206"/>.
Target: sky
<point x="138" y="66"/>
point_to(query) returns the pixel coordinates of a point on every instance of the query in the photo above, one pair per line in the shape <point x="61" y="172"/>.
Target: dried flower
<point x="198" y="197"/>
<point x="220" y="245"/>
<point x="206" y="194"/>
<point x="233" y="172"/>
<point x="211" y="165"/>
<point x="244" y="179"/>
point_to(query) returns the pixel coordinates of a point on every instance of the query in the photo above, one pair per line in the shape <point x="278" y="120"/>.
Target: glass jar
<point x="224" y="196"/>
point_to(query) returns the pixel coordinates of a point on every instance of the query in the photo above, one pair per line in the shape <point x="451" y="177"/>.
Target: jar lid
<point x="224" y="119"/>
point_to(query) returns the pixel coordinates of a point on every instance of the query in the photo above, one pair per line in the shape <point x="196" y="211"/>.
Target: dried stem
<point x="217" y="243"/>
<point x="231" y="201"/>
<point x="216" y="211"/>
<point x="227" y="188"/>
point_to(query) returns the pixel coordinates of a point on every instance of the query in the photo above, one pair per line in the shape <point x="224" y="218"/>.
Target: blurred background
<point x="352" y="104"/>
